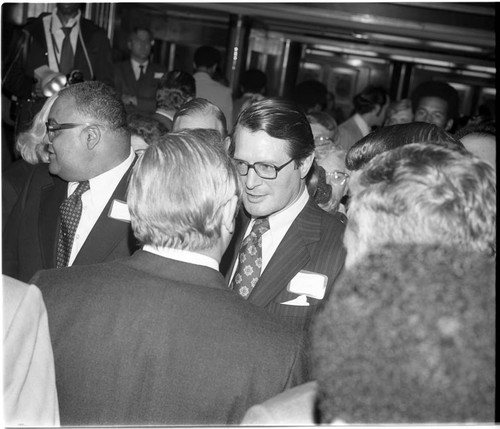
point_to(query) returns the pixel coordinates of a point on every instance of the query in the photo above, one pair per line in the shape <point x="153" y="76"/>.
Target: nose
<point x="252" y="179"/>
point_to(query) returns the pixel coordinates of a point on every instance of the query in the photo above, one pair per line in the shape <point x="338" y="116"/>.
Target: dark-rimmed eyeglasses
<point x="53" y="126"/>
<point x="263" y="170"/>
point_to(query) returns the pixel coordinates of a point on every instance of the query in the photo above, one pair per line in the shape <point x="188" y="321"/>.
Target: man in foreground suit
<point x="301" y="248"/>
<point x="157" y="338"/>
<point x="89" y="146"/>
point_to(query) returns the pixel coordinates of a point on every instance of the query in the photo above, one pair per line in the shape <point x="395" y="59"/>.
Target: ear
<point x="129" y="45"/>
<point x="305" y="165"/>
<point x="229" y="214"/>
<point x="448" y="125"/>
<point x="92" y="136"/>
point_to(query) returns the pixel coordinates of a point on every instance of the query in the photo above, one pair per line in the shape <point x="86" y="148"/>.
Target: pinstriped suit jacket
<point x="313" y="243"/>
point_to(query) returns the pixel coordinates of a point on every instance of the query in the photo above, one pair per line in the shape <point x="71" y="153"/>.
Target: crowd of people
<point x="174" y="256"/>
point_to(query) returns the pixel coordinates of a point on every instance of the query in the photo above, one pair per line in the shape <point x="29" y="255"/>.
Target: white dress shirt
<point x="137" y="69"/>
<point x="94" y="201"/>
<point x="53" y="33"/>
<point x="362" y="125"/>
<point x="183" y="256"/>
<point x="279" y="224"/>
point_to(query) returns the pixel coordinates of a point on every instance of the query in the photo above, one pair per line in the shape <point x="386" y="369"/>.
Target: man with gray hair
<point x="422" y="193"/>
<point x="157" y="338"/>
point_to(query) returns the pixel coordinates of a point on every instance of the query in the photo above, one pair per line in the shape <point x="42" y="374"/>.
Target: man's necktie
<point x="67" y="55"/>
<point x="250" y="259"/>
<point x="70" y="211"/>
<point x="141" y="72"/>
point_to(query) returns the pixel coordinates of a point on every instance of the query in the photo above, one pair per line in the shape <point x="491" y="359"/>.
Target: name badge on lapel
<point x="158" y="75"/>
<point x="307" y="284"/>
<point x="119" y="211"/>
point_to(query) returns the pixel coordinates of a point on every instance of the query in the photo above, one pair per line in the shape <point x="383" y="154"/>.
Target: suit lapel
<point x="290" y="257"/>
<point x="107" y="233"/>
<point x="51" y="197"/>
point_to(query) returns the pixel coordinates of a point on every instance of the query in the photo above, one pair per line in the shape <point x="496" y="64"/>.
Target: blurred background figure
<point x="480" y="139"/>
<point x="436" y="103"/>
<point x="311" y="96"/>
<point x="144" y="130"/>
<point x="136" y="79"/>
<point x="330" y="155"/>
<point x="29" y="384"/>
<point x="200" y="113"/>
<point x="32" y="146"/>
<point x="422" y="193"/>
<point x="399" y="112"/>
<point x="175" y="88"/>
<point x="409" y="337"/>
<point x="370" y="107"/>
<point x="253" y="87"/>
<point x="206" y="60"/>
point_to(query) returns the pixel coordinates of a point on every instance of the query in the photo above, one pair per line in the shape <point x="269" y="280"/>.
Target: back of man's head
<point x="177" y="190"/>
<point x="174" y="89"/>
<point x="206" y="56"/>
<point x="254" y="81"/>
<point x="393" y="136"/>
<point x="422" y="193"/>
<point x="310" y="95"/>
<point x="369" y="98"/>
<point x="409" y="337"/>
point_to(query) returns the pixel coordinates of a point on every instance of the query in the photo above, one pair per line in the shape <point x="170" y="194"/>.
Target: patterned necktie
<point x="71" y="211"/>
<point x="141" y="72"/>
<point x="250" y="259"/>
<point x="67" y="56"/>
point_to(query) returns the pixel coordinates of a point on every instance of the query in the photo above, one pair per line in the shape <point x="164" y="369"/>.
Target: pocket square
<point x="310" y="284"/>
<point x="299" y="301"/>
<point x="119" y="211"/>
<point x="158" y="75"/>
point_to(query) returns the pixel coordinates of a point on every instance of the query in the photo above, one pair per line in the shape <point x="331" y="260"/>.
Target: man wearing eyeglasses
<point x="73" y="211"/>
<point x="287" y="252"/>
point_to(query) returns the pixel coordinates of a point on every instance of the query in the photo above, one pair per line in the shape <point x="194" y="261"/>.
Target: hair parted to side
<point x="409" y="337"/>
<point x="30" y="143"/>
<point x="100" y="103"/>
<point x="177" y="190"/>
<point x="281" y="119"/>
<point x="393" y="136"/>
<point x="422" y="193"/>
<point x="201" y="106"/>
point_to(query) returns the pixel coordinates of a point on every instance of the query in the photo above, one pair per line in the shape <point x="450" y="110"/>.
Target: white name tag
<point x="119" y="211"/>
<point x="158" y="75"/>
<point x="310" y="284"/>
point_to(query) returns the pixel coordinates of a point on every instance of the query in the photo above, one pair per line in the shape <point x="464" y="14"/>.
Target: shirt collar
<point x="360" y="122"/>
<point x="183" y="256"/>
<point x="136" y="64"/>
<point x="285" y="217"/>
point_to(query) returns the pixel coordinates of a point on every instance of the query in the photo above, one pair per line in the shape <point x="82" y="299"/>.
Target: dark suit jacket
<point x="150" y="340"/>
<point x="144" y="88"/>
<point x="30" y="235"/>
<point x="20" y="81"/>
<point x="313" y="243"/>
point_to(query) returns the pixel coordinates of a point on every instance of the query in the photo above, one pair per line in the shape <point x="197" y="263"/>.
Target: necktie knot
<point x="81" y="188"/>
<point x="66" y="31"/>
